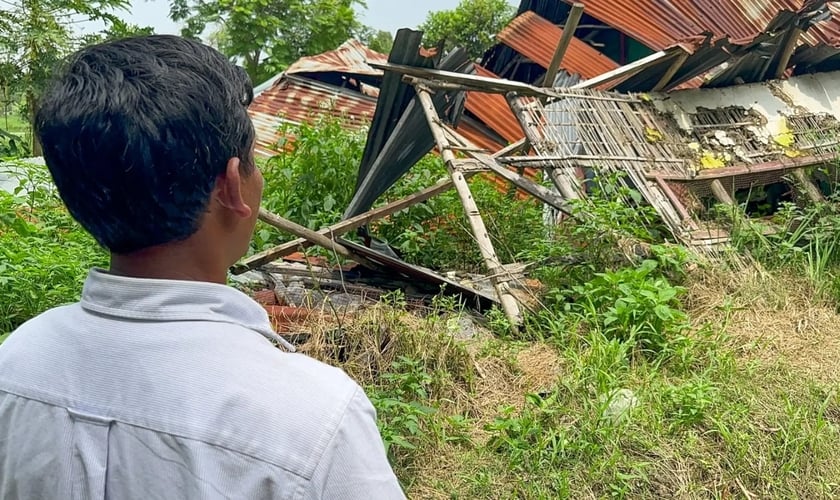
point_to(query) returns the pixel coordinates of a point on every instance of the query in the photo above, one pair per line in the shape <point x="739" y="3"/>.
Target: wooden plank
<point x="466" y="81"/>
<point x="808" y="187"/>
<point x="312" y="236"/>
<point x="721" y="193"/>
<point x="675" y="202"/>
<point x="786" y="164"/>
<point x="672" y="70"/>
<point x="512" y="148"/>
<point x="569" y="29"/>
<point x="479" y="230"/>
<point x="629" y="70"/>
<point x="342" y="227"/>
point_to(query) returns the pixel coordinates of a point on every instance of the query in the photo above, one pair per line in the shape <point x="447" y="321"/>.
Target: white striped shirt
<point x="159" y="389"/>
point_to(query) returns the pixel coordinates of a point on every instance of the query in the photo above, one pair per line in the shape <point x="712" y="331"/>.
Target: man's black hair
<point x="135" y="132"/>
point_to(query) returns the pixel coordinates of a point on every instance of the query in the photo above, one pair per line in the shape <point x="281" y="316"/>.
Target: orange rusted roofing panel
<point x="659" y="24"/>
<point x="299" y="100"/>
<point x="350" y="57"/>
<point x="493" y="110"/>
<point x="537" y="39"/>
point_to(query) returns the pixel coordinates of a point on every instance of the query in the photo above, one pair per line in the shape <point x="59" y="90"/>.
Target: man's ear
<point x="228" y="190"/>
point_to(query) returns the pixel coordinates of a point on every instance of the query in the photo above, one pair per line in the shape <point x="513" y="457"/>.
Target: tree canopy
<point x="472" y="25"/>
<point x="268" y="35"/>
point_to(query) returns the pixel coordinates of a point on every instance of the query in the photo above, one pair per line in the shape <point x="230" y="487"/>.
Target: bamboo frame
<point x="498" y="274"/>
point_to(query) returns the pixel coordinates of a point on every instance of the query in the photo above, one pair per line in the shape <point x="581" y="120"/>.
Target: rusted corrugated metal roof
<point x="493" y="110"/>
<point x="659" y="24"/>
<point x="537" y="39"/>
<point x="298" y="100"/>
<point x="351" y="57"/>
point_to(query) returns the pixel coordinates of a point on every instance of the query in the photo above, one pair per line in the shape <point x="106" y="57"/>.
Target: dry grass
<point x="772" y="318"/>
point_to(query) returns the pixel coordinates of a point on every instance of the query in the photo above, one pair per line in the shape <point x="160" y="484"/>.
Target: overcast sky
<point x="388" y="15"/>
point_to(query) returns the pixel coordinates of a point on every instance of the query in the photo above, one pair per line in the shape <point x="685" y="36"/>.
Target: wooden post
<point x="790" y="45"/>
<point x="721" y="193"/>
<point x="498" y="274"/>
<point x="568" y="33"/>
<point x="811" y="191"/>
<point x="672" y="70"/>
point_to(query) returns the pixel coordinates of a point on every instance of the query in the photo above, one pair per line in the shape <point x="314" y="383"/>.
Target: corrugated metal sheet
<point x="298" y="100"/>
<point x="537" y="39"/>
<point x="351" y="57"/>
<point x="659" y="24"/>
<point x="493" y="110"/>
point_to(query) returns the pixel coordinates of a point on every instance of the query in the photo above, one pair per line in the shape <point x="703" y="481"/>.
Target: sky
<point x="388" y="15"/>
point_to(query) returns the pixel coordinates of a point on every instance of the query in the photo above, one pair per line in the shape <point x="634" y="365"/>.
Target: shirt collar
<point x="174" y="300"/>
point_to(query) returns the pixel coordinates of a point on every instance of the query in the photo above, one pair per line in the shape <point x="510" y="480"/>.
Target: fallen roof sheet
<point x="537" y="39"/>
<point x="298" y="100"/>
<point x="351" y="57"/>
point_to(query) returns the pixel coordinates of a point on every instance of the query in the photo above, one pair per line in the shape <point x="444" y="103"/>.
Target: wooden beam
<point x="466" y="81"/>
<point x="787" y="51"/>
<point x="565" y="39"/>
<point x="721" y="193"/>
<point x="511" y="148"/>
<point x="342" y="227"/>
<point x="498" y="275"/>
<point x="786" y="164"/>
<point x="629" y="70"/>
<point x="314" y="237"/>
<point x="672" y="70"/>
<point x="807" y="186"/>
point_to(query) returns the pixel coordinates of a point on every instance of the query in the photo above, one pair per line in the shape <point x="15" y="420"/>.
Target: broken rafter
<point x="343" y="227"/>
<point x="461" y="81"/>
<point x="568" y="33"/>
<point x="517" y="180"/>
<point x="791" y="40"/>
<point x="310" y="235"/>
<point x="629" y="70"/>
<point x="672" y="70"/>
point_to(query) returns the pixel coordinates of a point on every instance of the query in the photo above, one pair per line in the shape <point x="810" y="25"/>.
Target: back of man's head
<point x="135" y="133"/>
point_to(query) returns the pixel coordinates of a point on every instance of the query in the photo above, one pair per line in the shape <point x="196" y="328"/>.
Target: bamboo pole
<point x="343" y="227"/>
<point x="568" y="33"/>
<point x="498" y="274"/>
<point x="316" y="238"/>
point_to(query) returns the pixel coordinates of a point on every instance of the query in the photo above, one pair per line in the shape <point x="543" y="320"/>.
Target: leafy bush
<point x="314" y="180"/>
<point x="44" y="254"/>
<point x="631" y="305"/>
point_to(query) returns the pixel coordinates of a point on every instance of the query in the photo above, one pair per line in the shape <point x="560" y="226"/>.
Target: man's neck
<point x="179" y="261"/>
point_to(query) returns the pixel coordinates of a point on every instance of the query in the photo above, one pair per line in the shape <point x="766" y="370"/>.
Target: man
<point x="163" y="382"/>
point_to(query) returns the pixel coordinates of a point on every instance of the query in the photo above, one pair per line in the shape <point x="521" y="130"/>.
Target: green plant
<point x="44" y="254"/>
<point x="632" y="305"/>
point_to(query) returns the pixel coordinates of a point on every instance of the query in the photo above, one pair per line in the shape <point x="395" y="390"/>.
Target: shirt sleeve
<point x="354" y="465"/>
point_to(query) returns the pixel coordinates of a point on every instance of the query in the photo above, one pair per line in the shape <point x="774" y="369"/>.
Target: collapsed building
<point x="692" y="103"/>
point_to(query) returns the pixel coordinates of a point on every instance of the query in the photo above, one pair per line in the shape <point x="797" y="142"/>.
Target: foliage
<point x="376" y="40"/>
<point x="631" y="305"/>
<point x="314" y="181"/>
<point x="44" y="254"/>
<point x="36" y="34"/>
<point x="472" y="25"/>
<point x="268" y="35"/>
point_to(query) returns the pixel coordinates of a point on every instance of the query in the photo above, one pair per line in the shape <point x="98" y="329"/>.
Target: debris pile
<point x="691" y="103"/>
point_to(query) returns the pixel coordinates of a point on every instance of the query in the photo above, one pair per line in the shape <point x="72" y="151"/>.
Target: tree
<point x="471" y="25"/>
<point x="377" y="40"/>
<point x="36" y="34"/>
<point x="268" y="35"/>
